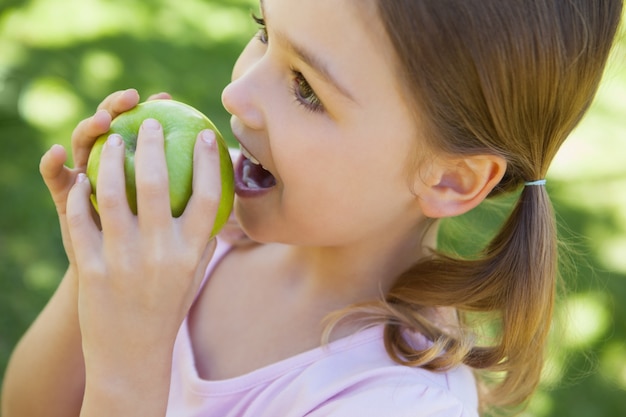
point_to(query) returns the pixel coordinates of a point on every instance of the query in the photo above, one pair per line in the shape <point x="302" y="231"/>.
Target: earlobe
<point x="456" y="186"/>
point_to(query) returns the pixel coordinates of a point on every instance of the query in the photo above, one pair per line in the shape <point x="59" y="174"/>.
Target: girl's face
<point x="315" y="100"/>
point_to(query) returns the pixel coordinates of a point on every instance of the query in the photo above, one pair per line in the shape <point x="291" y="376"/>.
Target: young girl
<point x="361" y="123"/>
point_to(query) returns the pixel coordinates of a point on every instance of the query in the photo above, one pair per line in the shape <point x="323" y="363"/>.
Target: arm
<point x="45" y="376"/>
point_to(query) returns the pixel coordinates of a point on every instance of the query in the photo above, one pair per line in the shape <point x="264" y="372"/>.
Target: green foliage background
<point x="59" y="58"/>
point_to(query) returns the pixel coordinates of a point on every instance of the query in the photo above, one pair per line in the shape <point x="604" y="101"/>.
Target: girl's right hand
<point x="58" y="177"/>
<point x="139" y="274"/>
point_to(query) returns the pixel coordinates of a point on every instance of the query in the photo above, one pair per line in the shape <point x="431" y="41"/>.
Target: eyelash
<point x="300" y="87"/>
<point x="262" y="33"/>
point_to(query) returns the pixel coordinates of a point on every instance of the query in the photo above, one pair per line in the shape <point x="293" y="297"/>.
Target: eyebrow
<point x="312" y="60"/>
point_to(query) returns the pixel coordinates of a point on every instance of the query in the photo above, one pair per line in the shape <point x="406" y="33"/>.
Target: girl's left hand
<point x="139" y="275"/>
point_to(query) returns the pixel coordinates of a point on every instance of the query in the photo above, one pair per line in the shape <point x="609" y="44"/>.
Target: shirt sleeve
<point x="424" y="401"/>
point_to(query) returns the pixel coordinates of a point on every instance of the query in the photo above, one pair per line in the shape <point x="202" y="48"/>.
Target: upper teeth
<point x="251" y="158"/>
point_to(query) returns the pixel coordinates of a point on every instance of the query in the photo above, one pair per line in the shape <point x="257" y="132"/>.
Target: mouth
<point x="251" y="178"/>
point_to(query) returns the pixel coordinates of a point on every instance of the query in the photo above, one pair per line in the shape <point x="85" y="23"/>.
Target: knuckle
<point x="80" y="130"/>
<point x="90" y="272"/>
<point x="203" y="205"/>
<point x="108" y="100"/>
<point x="155" y="257"/>
<point x="159" y="257"/>
<point x="80" y="127"/>
<point x="108" y="199"/>
<point x="210" y="198"/>
<point x="152" y="186"/>
<point x="75" y="220"/>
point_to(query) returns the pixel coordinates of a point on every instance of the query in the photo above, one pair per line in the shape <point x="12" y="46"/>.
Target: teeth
<point x="249" y="182"/>
<point x="251" y="158"/>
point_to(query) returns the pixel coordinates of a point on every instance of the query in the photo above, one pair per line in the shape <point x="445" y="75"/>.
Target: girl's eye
<point x="262" y="33"/>
<point x="301" y="89"/>
<point x="304" y="93"/>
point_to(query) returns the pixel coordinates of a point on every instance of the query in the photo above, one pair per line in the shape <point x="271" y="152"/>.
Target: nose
<point x="243" y="95"/>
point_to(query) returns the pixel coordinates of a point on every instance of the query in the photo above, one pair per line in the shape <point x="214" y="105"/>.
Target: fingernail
<point x="151" y="124"/>
<point x="114" y="140"/>
<point x="208" y="136"/>
<point x="81" y="178"/>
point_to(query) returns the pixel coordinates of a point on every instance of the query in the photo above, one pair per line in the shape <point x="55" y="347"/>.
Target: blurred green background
<point x="59" y="58"/>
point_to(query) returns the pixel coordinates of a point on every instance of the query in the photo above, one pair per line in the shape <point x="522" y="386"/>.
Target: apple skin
<point x="181" y="124"/>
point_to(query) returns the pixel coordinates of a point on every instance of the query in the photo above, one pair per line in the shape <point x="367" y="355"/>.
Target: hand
<point x="58" y="177"/>
<point x="139" y="275"/>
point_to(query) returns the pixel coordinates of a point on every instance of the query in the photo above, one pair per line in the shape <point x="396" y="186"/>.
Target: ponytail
<point x="514" y="278"/>
<point x="521" y="262"/>
<point x="512" y="81"/>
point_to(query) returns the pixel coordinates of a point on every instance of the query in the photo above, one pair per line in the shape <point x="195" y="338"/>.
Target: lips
<point x="251" y="179"/>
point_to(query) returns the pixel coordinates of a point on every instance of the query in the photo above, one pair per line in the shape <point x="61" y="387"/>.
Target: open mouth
<point x="250" y="174"/>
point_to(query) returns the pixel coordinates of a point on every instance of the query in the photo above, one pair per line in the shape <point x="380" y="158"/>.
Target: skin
<point x="80" y="336"/>
<point x="350" y="210"/>
<point x="339" y="199"/>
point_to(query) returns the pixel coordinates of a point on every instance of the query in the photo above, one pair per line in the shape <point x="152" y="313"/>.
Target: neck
<point x="342" y="275"/>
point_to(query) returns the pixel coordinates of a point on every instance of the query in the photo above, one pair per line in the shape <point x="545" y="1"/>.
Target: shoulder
<point x="420" y="400"/>
<point x="411" y="393"/>
<point x="360" y="379"/>
<point x="352" y="376"/>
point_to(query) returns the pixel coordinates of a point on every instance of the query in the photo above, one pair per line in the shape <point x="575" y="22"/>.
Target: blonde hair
<point x="511" y="78"/>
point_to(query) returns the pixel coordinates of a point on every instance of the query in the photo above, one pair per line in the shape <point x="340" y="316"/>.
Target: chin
<point x="253" y="226"/>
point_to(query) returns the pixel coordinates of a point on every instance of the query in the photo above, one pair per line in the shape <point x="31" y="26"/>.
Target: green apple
<point x="181" y="124"/>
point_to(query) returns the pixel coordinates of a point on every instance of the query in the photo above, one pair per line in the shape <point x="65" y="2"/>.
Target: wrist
<point x="122" y="389"/>
<point x="71" y="274"/>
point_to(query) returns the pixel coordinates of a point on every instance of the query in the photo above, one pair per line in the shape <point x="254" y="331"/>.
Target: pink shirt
<point x="352" y="376"/>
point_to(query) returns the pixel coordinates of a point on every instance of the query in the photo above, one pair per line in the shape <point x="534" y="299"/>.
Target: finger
<point x="111" y="197"/>
<point x="57" y="177"/>
<point x="91" y="128"/>
<point x="84" y="233"/>
<point x="198" y="218"/>
<point x="160" y="96"/>
<point x="52" y="161"/>
<point x="86" y="134"/>
<point x="153" y="200"/>
<point x="120" y="101"/>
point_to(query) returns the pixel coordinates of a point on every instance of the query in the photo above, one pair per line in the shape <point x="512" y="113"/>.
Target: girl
<point x="361" y="123"/>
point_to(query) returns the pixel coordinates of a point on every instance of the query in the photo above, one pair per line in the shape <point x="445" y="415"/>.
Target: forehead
<point x="344" y="15"/>
<point x="347" y="34"/>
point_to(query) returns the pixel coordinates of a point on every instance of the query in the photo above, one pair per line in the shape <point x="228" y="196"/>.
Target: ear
<point x="454" y="186"/>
